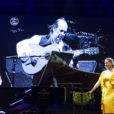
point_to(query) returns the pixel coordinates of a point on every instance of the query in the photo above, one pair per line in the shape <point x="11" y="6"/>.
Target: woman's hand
<point x="90" y="92"/>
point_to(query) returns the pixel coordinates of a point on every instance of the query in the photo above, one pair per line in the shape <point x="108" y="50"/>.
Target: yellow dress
<point x="107" y="85"/>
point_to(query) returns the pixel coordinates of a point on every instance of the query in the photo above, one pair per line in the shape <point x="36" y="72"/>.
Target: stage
<point x="46" y="100"/>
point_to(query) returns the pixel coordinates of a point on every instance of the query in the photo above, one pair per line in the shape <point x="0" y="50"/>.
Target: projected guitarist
<point x="34" y="52"/>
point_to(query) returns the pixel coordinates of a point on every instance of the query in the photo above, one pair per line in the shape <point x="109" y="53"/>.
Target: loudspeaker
<point x="88" y="66"/>
<point x="16" y="74"/>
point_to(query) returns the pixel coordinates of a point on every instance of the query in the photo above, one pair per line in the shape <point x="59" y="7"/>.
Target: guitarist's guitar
<point x="34" y="64"/>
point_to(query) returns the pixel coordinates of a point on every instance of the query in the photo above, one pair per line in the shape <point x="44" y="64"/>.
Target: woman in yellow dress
<point x="106" y="80"/>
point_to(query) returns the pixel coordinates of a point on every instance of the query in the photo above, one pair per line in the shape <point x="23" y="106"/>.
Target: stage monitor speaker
<point x="88" y="66"/>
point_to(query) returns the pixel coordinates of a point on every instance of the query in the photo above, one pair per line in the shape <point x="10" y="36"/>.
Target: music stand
<point x="56" y="61"/>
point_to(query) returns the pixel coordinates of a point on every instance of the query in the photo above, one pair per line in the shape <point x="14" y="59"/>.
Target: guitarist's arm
<point x="75" y="55"/>
<point x="23" y="48"/>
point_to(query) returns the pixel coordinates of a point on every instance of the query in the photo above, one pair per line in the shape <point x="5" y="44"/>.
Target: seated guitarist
<point x="35" y="51"/>
<point x="55" y="37"/>
<point x="42" y="46"/>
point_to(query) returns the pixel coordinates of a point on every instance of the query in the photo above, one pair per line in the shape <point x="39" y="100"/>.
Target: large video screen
<point x="90" y="36"/>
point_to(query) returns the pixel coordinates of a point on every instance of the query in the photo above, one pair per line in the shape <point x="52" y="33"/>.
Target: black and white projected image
<point x="31" y="39"/>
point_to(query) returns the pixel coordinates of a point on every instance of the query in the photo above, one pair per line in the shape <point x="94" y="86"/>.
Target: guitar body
<point x="35" y="63"/>
<point x="40" y="56"/>
<point x="32" y="68"/>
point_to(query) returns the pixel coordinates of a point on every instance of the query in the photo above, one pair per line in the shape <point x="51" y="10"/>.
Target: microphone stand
<point x="13" y="68"/>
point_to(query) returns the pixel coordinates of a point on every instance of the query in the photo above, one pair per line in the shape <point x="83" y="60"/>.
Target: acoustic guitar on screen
<point x="34" y="64"/>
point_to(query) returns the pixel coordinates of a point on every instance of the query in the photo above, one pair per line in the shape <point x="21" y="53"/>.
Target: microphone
<point x="70" y="35"/>
<point x="71" y="22"/>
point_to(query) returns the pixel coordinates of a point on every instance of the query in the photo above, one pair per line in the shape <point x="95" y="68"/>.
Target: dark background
<point x="89" y="16"/>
